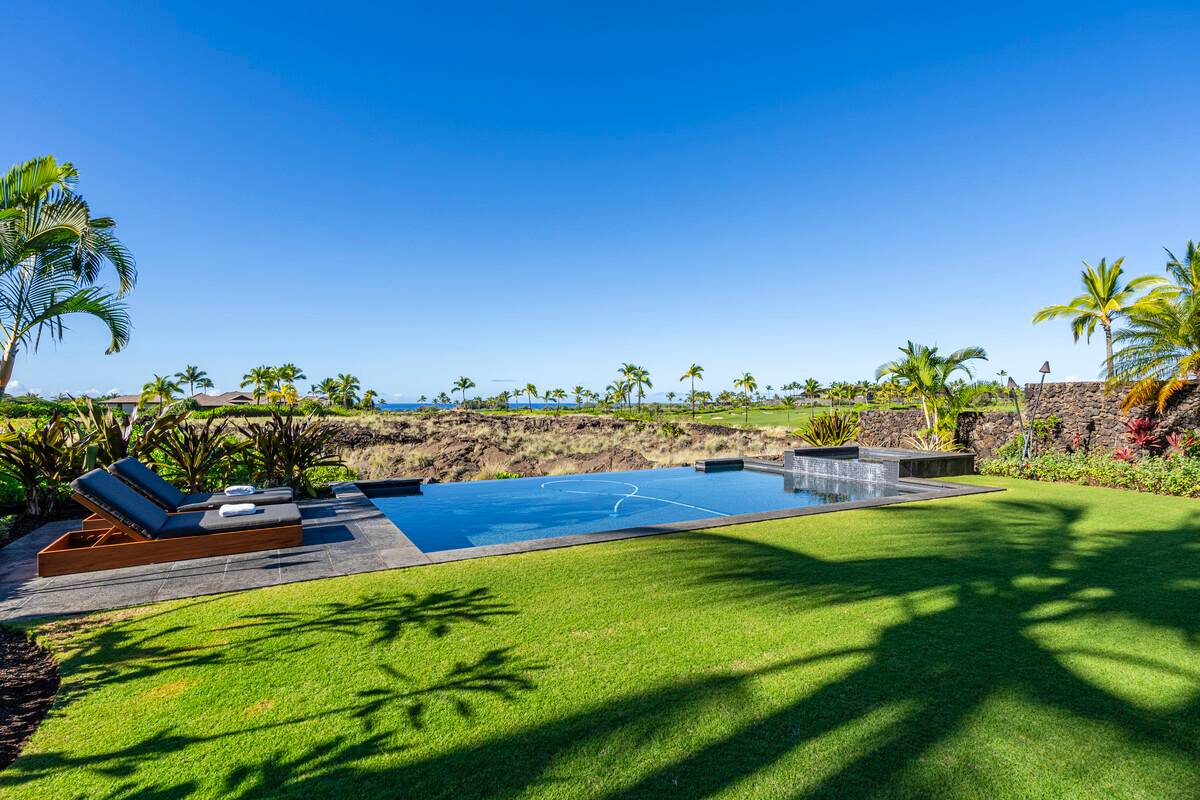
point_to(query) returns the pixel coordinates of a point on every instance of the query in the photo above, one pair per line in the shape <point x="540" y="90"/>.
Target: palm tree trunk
<point x="7" y="360"/>
<point x="693" y="397"/>
<point x="1108" y="339"/>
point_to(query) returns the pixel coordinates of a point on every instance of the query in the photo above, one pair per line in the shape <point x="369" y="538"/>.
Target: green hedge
<point x="304" y="407"/>
<point x="1179" y="475"/>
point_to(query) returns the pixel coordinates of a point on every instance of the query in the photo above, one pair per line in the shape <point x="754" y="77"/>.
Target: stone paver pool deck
<point x="343" y="535"/>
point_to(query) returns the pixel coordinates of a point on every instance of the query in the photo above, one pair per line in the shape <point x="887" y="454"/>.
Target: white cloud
<point x="14" y="385"/>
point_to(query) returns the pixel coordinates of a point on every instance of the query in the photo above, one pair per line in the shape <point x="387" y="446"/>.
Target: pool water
<point x="448" y="516"/>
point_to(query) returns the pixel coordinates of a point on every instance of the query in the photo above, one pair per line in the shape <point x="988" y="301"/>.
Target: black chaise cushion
<point x="197" y="523"/>
<point x="204" y="501"/>
<point x="148" y="482"/>
<point x="120" y="502"/>
<point x="151" y="484"/>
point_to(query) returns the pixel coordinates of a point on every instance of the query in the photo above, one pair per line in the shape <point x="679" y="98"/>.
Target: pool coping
<point x="919" y="489"/>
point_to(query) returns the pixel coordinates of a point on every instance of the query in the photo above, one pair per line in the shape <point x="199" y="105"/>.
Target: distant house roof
<point x="202" y="400"/>
<point x="223" y="399"/>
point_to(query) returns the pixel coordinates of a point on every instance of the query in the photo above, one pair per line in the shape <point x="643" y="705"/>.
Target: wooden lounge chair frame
<point x="106" y="543"/>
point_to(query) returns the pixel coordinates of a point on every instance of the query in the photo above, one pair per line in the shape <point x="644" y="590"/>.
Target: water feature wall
<point x="841" y="469"/>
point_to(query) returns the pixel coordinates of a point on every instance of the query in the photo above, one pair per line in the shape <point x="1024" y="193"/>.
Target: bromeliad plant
<point x="43" y="458"/>
<point x="283" y="450"/>
<point x="199" y="456"/>
<point x="830" y="430"/>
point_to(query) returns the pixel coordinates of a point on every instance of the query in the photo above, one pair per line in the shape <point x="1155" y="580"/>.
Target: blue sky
<point x="539" y="192"/>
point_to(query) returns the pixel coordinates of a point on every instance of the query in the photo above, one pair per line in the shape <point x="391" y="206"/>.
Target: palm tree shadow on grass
<point x="128" y="648"/>
<point x="1004" y="568"/>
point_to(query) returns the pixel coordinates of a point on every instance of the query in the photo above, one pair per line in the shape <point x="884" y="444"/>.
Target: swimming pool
<point x="449" y="516"/>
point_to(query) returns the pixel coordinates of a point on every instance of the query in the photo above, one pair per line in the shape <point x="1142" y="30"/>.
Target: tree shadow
<point x="124" y="647"/>
<point x="1005" y="576"/>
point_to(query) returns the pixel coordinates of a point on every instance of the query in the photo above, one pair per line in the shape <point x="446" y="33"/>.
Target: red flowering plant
<point x="1139" y="432"/>
<point x="1124" y="454"/>
<point x="1182" y="443"/>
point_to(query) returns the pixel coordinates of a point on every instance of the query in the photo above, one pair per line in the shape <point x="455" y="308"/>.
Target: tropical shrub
<point x="284" y="450"/>
<point x="31" y="406"/>
<point x="1139" y="432"/>
<point x="829" y="430"/>
<point x="117" y="435"/>
<point x="43" y="458"/>
<point x="1175" y="476"/>
<point x="199" y="456"/>
<point x="932" y="441"/>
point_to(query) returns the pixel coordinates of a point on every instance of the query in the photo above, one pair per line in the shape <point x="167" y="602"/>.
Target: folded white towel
<point x="237" y="509"/>
<point x="238" y="491"/>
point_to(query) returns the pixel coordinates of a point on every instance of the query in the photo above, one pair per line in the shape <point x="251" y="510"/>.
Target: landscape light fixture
<point x="1026" y="448"/>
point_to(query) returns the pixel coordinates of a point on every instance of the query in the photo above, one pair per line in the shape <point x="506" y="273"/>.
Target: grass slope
<point x="1042" y="642"/>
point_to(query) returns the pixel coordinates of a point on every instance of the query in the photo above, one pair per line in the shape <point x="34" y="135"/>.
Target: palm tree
<point x="326" y="389"/>
<point x="1160" y="350"/>
<point x="289" y="373"/>
<point x="1104" y="299"/>
<point x="927" y="373"/>
<point x="262" y="378"/>
<point x="530" y="391"/>
<point x="640" y="379"/>
<point x="670" y="398"/>
<point x="748" y="385"/>
<point x="812" y="389"/>
<point x="368" y="399"/>
<point x="193" y="376"/>
<point x="579" y="392"/>
<point x="694" y="372"/>
<point x="347" y="389"/>
<point x="461" y="385"/>
<point x="557" y="395"/>
<point x="52" y="253"/>
<point x="162" y="389"/>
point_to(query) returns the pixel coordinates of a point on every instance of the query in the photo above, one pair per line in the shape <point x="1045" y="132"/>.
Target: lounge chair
<point x="138" y="531"/>
<point x="170" y="499"/>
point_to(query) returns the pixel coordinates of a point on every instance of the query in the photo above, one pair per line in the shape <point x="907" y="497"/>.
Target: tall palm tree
<point x="327" y="389"/>
<point x="812" y="388"/>
<point x="347" y="389"/>
<point x="289" y="373"/>
<point x="748" y="385"/>
<point x="1105" y="298"/>
<point x="262" y="378"/>
<point x="694" y="372"/>
<point x="558" y="395"/>
<point x="461" y="385"/>
<point x="162" y="389"/>
<point x="52" y="253"/>
<point x="368" y="399"/>
<point x="579" y="393"/>
<point x="530" y="391"/>
<point x="193" y="376"/>
<point x="1160" y="350"/>
<point x="640" y="379"/>
<point x="927" y="373"/>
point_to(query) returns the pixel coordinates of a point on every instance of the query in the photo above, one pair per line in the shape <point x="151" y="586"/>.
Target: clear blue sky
<point x="539" y="192"/>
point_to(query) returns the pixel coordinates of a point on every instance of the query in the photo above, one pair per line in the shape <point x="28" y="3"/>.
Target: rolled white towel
<point x="238" y="491"/>
<point x="237" y="509"/>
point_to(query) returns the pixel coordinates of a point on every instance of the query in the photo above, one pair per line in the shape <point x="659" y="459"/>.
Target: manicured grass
<point x="1042" y="642"/>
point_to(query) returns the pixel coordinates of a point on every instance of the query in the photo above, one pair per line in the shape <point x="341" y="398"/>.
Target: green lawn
<point x="1042" y="642"/>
